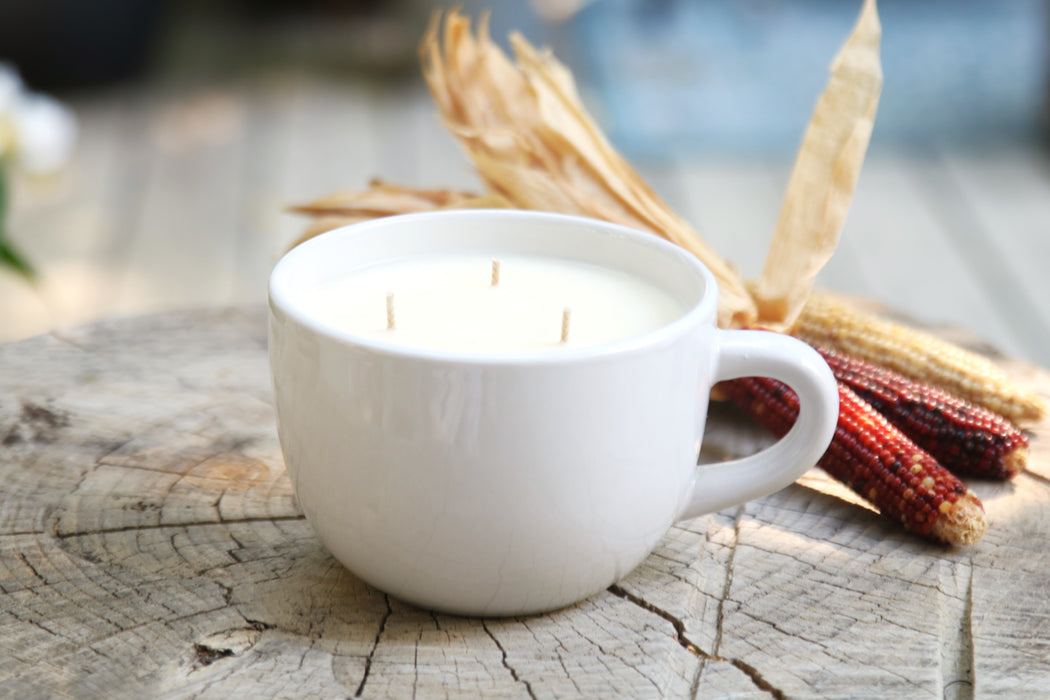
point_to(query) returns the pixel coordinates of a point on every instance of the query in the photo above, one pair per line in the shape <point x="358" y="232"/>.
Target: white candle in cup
<point x="517" y="481"/>
<point x="448" y="302"/>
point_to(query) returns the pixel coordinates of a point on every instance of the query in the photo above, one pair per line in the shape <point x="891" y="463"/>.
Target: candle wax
<point x="448" y="302"/>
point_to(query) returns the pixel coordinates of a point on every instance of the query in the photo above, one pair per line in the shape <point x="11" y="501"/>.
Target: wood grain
<point x="151" y="546"/>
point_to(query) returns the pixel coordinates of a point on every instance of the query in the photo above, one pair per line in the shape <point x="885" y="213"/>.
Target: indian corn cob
<point x="876" y="460"/>
<point x="919" y="356"/>
<point x="964" y="438"/>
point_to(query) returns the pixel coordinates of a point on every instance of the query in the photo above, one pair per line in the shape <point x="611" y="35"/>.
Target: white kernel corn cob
<point x="920" y="356"/>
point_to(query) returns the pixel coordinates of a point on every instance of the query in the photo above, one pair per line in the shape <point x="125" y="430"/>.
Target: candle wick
<point x="565" y="314"/>
<point x="495" y="272"/>
<point x="390" y="311"/>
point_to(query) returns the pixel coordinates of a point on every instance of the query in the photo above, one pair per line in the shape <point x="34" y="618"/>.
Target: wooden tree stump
<point x="151" y="546"/>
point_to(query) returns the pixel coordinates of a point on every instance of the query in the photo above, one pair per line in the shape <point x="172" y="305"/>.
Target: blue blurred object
<point x="668" y="75"/>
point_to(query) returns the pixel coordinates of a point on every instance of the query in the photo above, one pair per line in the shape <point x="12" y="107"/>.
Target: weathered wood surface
<point x="150" y="546"/>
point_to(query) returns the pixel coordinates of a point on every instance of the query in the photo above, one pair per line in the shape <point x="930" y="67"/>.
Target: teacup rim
<point x="699" y="313"/>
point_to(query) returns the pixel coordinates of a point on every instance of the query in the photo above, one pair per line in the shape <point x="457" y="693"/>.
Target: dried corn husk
<point x="535" y="147"/>
<point x="532" y="142"/>
<point x="384" y="199"/>
<point x="824" y="177"/>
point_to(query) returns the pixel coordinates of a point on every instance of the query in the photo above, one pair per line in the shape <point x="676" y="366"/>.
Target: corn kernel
<point x="917" y="355"/>
<point x="856" y="457"/>
<point x="965" y="438"/>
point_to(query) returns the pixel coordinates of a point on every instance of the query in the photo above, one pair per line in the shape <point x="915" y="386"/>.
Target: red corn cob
<point x="965" y="438"/>
<point x="876" y="460"/>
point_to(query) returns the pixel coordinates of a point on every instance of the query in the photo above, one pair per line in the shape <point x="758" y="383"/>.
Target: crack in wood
<point x="259" y="625"/>
<point x="227" y="593"/>
<point x="958" y="666"/>
<point x="968" y="618"/>
<point x="760" y="682"/>
<point x="678" y="625"/>
<point x="204" y="655"/>
<point x="506" y="664"/>
<point x="35" y="623"/>
<point x="750" y="671"/>
<point x="302" y="659"/>
<point x="727" y="585"/>
<point x="161" y="526"/>
<point x="375" y="645"/>
<point x="111" y="448"/>
<point x="415" y="664"/>
<point x="37" y="574"/>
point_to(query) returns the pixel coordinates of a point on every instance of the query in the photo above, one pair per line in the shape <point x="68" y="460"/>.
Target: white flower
<point x="10" y="85"/>
<point x="45" y="130"/>
<point x="10" y="89"/>
<point x="39" y="130"/>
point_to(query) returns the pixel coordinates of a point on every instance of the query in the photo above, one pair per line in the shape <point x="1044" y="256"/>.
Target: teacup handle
<point x="767" y="354"/>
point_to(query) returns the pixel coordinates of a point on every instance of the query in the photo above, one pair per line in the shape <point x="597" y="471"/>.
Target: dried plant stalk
<point x="533" y="143"/>
<point x="535" y="147"/>
<point x="384" y="199"/>
<point x="824" y="177"/>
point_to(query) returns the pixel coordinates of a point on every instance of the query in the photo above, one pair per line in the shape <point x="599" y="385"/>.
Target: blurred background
<point x="199" y="121"/>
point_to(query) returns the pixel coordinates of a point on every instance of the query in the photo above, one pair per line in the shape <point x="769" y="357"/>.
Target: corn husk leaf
<point x="384" y="199"/>
<point x="824" y="176"/>
<point x="534" y="144"/>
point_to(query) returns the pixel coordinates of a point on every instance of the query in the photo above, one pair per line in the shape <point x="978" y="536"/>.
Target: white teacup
<point x="515" y="481"/>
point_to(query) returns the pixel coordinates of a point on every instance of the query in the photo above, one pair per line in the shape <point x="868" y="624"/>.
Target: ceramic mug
<point x="514" y="483"/>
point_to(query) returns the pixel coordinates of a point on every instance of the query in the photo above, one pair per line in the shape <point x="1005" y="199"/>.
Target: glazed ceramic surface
<point x="512" y="483"/>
